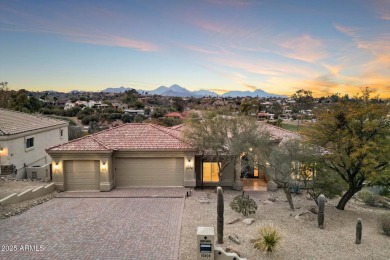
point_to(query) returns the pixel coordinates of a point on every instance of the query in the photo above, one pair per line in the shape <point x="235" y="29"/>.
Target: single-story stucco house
<point x="135" y="155"/>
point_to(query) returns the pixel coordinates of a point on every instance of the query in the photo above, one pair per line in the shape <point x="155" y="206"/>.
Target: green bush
<point x="268" y="239"/>
<point x="385" y="223"/>
<point x="368" y="197"/>
<point x="243" y="204"/>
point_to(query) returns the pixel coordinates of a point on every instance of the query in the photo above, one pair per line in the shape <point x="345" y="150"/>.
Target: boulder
<point x="248" y="221"/>
<point x="272" y="186"/>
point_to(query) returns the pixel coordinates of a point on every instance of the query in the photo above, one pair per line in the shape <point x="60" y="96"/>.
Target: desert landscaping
<point x="301" y="237"/>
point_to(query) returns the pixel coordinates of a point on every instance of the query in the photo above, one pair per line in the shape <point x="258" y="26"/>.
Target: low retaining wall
<point x="28" y="194"/>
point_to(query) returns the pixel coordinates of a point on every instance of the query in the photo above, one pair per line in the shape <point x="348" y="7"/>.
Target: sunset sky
<point x="279" y="46"/>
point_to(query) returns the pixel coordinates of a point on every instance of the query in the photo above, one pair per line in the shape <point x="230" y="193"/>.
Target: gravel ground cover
<point x="302" y="239"/>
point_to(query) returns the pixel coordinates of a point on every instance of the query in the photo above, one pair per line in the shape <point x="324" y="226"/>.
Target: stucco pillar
<point x="189" y="171"/>
<point x="58" y="174"/>
<point x="106" y="183"/>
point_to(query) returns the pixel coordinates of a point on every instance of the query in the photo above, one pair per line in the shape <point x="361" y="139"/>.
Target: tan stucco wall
<point x="105" y="175"/>
<point x="15" y="152"/>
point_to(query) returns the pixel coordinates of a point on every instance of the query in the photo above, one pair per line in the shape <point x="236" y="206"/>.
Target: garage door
<point x="81" y="175"/>
<point x="149" y="172"/>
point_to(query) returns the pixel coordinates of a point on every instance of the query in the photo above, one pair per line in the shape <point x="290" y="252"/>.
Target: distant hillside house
<point x="264" y="116"/>
<point x="175" y="115"/>
<point x="23" y="140"/>
<point x="135" y="111"/>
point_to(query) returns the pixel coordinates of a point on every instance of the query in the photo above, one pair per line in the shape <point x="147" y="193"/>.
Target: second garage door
<point x="132" y="172"/>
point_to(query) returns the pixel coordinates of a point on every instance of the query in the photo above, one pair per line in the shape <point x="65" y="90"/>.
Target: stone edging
<point x="28" y="194"/>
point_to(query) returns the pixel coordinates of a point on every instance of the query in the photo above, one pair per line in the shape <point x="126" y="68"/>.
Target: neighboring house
<point x="264" y="116"/>
<point x="24" y="138"/>
<point x="139" y="155"/>
<point x="135" y="111"/>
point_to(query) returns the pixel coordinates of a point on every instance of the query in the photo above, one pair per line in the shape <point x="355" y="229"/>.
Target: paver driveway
<point x="95" y="228"/>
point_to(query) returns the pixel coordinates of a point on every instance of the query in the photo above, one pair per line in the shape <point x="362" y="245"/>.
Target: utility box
<point x="39" y="172"/>
<point x="205" y="240"/>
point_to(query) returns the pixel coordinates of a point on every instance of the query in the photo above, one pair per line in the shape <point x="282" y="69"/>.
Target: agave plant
<point x="268" y="239"/>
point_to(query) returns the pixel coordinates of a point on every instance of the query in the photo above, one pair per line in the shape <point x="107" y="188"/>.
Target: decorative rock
<point x="313" y="209"/>
<point x="248" y="221"/>
<point x="305" y="216"/>
<point x="232" y="250"/>
<point x="234" y="238"/>
<point x="234" y="221"/>
<point x="272" y="186"/>
<point x="267" y="202"/>
<point x="272" y="198"/>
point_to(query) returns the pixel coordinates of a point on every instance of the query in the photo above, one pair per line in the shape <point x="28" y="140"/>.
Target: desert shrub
<point x="74" y="132"/>
<point x="268" y="239"/>
<point x="385" y="223"/>
<point x="126" y="118"/>
<point x="90" y="118"/>
<point x="243" y="204"/>
<point x="114" y="116"/>
<point x="368" y="197"/>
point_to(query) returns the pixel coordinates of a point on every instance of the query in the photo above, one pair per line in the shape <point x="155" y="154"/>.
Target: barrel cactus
<point x="220" y="209"/>
<point x="321" y="208"/>
<point x="359" y="231"/>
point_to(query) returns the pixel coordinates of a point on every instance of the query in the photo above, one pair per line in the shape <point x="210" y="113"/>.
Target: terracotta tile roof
<point x="128" y="137"/>
<point x="175" y="114"/>
<point x="13" y="122"/>
<point x="277" y="133"/>
<point x="87" y="143"/>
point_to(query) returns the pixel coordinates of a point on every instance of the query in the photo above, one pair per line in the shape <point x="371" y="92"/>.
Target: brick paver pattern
<point x="95" y="228"/>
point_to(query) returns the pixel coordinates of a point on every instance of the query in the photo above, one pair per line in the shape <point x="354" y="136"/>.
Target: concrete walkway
<point x="96" y="228"/>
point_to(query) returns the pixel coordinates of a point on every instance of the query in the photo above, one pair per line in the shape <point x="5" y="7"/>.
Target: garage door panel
<point x="149" y="172"/>
<point x="81" y="175"/>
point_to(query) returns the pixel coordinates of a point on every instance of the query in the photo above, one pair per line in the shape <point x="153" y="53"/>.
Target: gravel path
<point x="302" y="239"/>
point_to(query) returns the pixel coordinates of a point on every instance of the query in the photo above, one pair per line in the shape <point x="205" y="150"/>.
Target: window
<point x="210" y="172"/>
<point x="29" y="142"/>
<point x="62" y="133"/>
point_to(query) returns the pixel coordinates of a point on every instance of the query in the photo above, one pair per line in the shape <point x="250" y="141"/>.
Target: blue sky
<point x="279" y="46"/>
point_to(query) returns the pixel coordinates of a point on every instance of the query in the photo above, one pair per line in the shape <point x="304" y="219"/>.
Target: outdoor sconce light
<point x="104" y="166"/>
<point x="189" y="165"/>
<point x="56" y="167"/>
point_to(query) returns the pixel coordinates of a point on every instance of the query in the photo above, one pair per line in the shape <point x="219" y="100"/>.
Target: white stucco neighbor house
<point x="23" y="140"/>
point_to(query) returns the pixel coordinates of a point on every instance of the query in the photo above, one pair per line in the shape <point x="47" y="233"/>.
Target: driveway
<point x="88" y="227"/>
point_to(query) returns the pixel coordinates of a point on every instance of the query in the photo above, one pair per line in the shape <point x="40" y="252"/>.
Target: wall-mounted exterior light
<point x="104" y="166"/>
<point x="189" y="165"/>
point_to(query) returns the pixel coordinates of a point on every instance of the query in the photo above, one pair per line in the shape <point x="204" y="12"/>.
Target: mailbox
<point x="205" y="240"/>
<point x="206" y="249"/>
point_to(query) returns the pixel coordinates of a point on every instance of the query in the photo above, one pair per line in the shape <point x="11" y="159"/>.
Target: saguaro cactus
<point x="359" y="231"/>
<point x="220" y="208"/>
<point x="321" y="208"/>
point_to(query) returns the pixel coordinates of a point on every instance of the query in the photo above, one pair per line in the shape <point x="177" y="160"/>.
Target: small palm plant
<point x="268" y="239"/>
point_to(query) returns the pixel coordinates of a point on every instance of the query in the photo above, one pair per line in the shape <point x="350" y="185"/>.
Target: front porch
<point x="255" y="184"/>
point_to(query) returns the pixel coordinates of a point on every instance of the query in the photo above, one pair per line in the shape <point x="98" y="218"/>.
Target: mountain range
<point x="178" y="91"/>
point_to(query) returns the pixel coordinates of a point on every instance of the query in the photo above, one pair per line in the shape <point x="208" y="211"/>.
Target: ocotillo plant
<point x="321" y="208"/>
<point x="359" y="231"/>
<point x="220" y="208"/>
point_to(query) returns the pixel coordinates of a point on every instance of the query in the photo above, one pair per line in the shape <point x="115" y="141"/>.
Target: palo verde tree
<point x="355" y="135"/>
<point x="224" y="138"/>
<point x="282" y="160"/>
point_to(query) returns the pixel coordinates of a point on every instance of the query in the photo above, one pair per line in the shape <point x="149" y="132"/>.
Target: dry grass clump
<point x="385" y="223"/>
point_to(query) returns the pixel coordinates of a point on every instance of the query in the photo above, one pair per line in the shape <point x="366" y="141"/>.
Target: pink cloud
<point x="304" y="48"/>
